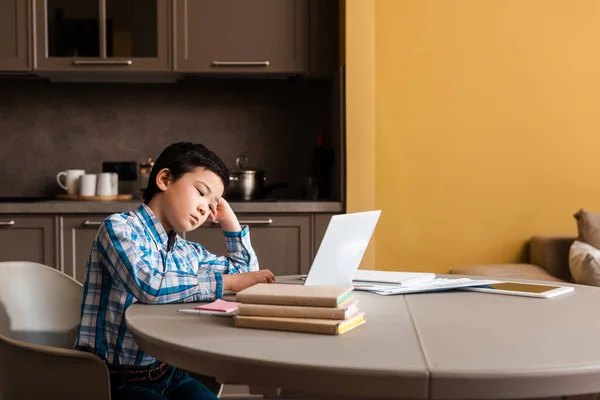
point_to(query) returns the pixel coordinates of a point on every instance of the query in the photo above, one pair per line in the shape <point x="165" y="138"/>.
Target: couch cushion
<point x="551" y="252"/>
<point x="517" y="271"/>
<point x="588" y="228"/>
<point x="584" y="262"/>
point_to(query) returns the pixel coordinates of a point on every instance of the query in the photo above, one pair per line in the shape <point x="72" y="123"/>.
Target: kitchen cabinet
<point x="324" y="39"/>
<point x="101" y="35"/>
<point x="282" y="242"/>
<point x="241" y="36"/>
<point x="28" y="238"/>
<point x="77" y="233"/>
<point x="14" y="36"/>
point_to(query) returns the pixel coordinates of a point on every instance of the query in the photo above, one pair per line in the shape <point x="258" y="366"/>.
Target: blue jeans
<point x="175" y="384"/>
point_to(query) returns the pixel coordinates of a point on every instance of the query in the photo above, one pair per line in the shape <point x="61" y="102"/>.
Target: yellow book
<point x="308" y="325"/>
<point x="295" y="295"/>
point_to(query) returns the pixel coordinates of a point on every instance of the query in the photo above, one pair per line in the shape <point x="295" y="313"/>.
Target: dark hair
<point x="183" y="157"/>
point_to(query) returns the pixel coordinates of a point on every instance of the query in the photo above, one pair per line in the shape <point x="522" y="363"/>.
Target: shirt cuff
<point x="242" y="233"/>
<point x="219" y="282"/>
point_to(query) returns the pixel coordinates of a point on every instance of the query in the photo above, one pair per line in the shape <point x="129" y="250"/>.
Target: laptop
<point x="342" y="249"/>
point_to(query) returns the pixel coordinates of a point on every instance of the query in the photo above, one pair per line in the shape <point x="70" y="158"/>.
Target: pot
<point x="247" y="183"/>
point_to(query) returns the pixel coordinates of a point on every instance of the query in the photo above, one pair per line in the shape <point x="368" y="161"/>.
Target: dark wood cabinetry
<point x="14" y="35"/>
<point x="77" y="235"/>
<point x="189" y="36"/>
<point x="102" y="35"/>
<point x="28" y="238"/>
<point x="241" y="36"/>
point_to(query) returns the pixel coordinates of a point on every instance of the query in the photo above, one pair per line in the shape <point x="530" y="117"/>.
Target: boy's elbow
<point x="147" y="298"/>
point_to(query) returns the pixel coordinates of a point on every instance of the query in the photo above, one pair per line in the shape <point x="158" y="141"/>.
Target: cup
<point x="88" y="185"/>
<point x="72" y="180"/>
<point x="108" y="184"/>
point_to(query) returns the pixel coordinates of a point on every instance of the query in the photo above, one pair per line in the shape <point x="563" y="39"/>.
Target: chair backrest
<point x="39" y="316"/>
<point x="39" y="304"/>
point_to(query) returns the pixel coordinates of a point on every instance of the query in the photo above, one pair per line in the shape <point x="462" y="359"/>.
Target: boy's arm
<point x="240" y="255"/>
<point x="129" y="262"/>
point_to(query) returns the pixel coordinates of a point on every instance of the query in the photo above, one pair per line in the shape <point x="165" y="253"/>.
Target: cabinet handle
<point x="252" y="222"/>
<point x="103" y="62"/>
<point x="240" y="63"/>
<point x="92" y="223"/>
<point x="7" y="223"/>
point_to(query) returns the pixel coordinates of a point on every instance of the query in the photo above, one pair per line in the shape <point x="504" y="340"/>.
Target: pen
<point x="205" y="312"/>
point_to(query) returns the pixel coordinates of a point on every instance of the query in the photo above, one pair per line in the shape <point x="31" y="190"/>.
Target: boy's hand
<point x="226" y="217"/>
<point x="239" y="282"/>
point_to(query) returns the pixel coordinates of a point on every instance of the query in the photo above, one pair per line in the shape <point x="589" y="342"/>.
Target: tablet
<point x="543" y="291"/>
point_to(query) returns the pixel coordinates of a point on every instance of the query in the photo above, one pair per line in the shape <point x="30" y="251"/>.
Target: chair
<point x="40" y="311"/>
<point x="39" y="317"/>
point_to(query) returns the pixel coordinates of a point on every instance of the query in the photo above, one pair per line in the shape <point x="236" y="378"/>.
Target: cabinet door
<point x="247" y="36"/>
<point x="28" y="238"/>
<point x="77" y="235"/>
<point x="281" y="242"/>
<point x="14" y="36"/>
<point x="102" y="35"/>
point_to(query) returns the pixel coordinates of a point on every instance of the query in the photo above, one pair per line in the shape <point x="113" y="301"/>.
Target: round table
<point x="437" y="345"/>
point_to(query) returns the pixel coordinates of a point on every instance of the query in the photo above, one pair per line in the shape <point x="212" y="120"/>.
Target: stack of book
<point x="313" y="309"/>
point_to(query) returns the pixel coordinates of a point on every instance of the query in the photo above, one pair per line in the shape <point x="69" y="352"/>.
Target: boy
<point x="138" y="256"/>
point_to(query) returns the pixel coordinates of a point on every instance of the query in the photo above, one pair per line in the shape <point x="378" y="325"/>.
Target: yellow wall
<point x="360" y="111"/>
<point x="487" y="126"/>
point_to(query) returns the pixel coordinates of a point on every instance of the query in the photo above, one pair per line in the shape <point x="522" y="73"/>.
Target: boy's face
<point x="189" y="201"/>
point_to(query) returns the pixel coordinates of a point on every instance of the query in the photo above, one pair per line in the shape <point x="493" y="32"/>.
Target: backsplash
<point x="49" y="127"/>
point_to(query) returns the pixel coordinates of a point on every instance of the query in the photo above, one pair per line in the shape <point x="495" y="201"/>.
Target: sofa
<point x="548" y="260"/>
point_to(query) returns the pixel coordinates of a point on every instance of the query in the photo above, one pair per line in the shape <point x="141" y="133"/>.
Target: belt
<point x="134" y="374"/>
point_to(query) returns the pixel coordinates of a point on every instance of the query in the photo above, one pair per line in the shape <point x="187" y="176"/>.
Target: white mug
<point x="88" y="185"/>
<point x="108" y="184"/>
<point x="72" y="180"/>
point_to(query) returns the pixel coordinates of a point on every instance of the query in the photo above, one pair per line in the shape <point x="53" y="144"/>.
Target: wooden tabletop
<point x="442" y="345"/>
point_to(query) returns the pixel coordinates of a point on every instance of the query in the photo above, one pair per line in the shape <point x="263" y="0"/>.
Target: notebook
<point x="323" y="326"/>
<point x="398" y="278"/>
<point x="343" y="311"/>
<point x="295" y="295"/>
<point x="219" y="306"/>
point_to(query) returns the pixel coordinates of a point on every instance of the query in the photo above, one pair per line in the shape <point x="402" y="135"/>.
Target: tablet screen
<point x="521" y="287"/>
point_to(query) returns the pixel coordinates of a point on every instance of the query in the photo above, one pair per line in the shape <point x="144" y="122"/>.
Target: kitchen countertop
<point x="109" y="207"/>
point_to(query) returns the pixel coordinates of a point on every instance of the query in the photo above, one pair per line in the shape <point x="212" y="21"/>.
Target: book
<point x="343" y="311"/>
<point x="219" y="306"/>
<point x="403" y="279"/>
<point x="307" y="325"/>
<point x="295" y="295"/>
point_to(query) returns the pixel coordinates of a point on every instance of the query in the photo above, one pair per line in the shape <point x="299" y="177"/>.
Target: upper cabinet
<point x="101" y="35"/>
<point x="14" y="36"/>
<point x="241" y="36"/>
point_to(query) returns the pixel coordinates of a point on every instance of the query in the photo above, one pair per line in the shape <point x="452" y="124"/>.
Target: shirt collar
<point x="153" y="225"/>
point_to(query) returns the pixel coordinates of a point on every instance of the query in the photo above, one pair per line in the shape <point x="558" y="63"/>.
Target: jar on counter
<point x="145" y="169"/>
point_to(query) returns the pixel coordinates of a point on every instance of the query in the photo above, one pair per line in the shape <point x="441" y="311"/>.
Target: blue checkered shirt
<point x="131" y="261"/>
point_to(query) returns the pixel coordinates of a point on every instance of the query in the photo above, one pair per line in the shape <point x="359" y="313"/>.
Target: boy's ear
<point x="163" y="179"/>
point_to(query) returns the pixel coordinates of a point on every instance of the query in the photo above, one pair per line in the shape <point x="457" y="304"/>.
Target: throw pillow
<point x="588" y="226"/>
<point x="584" y="263"/>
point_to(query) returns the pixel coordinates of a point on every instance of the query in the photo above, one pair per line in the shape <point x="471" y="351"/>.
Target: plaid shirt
<point x="133" y="260"/>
